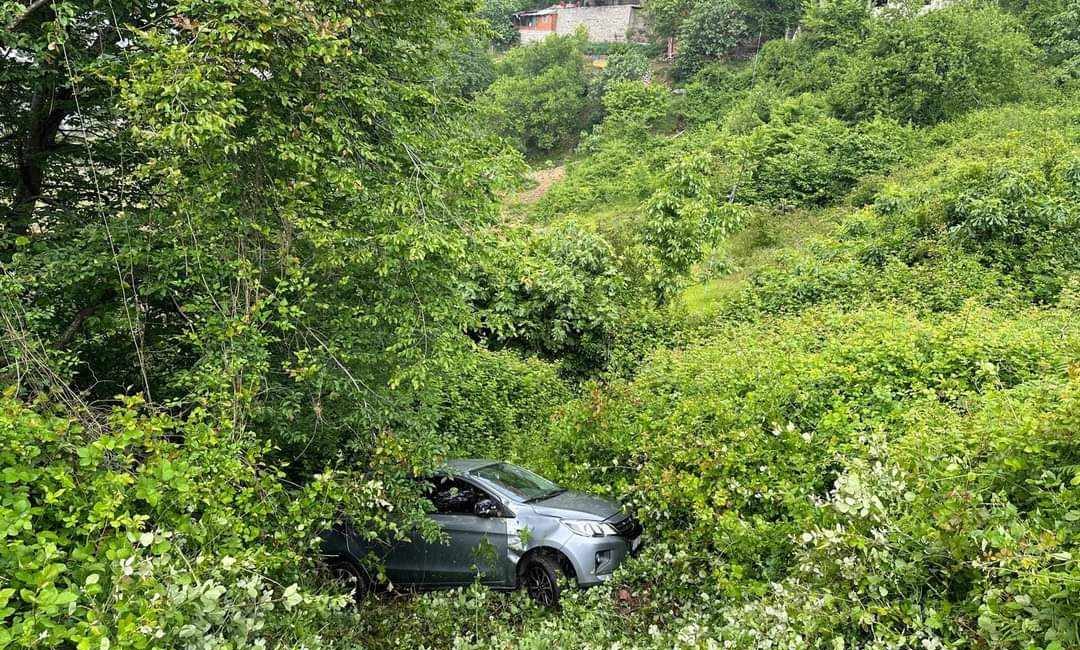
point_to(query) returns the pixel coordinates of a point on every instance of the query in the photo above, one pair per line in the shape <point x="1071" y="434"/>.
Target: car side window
<point x="453" y="496"/>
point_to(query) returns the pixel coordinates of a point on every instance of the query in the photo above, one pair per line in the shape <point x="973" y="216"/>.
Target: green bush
<point x="1054" y="26"/>
<point x="540" y="97"/>
<point x="559" y="292"/>
<point x="682" y="220"/>
<point x="711" y="91"/>
<point x="769" y="452"/>
<point x="491" y="398"/>
<point x="623" y="64"/>
<point x="936" y="66"/>
<point x="145" y="531"/>
<point x="804" y="157"/>
<point x="842" y="24"/>
<point x="797" y="67"/>
<point x="712" y="29"/>
<point x="497" y="14"/>
<point x="1011" y="201"/>
<point x="634" y="104"/>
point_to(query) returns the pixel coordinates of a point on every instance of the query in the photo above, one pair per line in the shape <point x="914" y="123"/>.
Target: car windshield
<point x="518" y="481"/>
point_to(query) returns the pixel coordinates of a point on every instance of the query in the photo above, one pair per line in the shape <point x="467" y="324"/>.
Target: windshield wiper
<point x="545" y="496"/>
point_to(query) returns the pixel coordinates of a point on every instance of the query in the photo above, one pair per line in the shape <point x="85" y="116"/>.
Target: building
<point x="608" y="23"/>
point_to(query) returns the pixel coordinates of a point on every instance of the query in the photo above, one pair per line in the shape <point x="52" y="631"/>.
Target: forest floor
<point x="544" y="179"/>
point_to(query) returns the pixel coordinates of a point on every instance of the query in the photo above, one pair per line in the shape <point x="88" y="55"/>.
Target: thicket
<point x="865" y="442"/>
<point x="154" y="532"/>
<point x="540" y="97"/>
<point x="278" y="224"/>
<point x="708" y="30"/>
<point x="257" y="218"/>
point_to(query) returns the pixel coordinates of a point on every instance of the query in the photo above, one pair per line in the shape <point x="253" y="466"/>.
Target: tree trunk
<point x="48" y="108"/>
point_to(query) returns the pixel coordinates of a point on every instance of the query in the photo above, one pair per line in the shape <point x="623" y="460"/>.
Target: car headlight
<point x="589" y="528"/>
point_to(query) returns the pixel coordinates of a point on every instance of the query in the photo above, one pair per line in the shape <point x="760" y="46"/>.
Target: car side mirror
<point x="486" y="508"/>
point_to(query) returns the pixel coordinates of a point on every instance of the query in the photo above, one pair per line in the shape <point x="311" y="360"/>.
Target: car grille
<point x="626" y="526"/>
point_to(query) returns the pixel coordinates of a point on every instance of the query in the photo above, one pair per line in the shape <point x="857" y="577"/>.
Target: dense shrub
<point x="712" y="29"/>
<point x="1063" y="38"/>
<point x="629" y="104"/>
<point x="936" y="66"/>
<point x="623" y="64"/>
<point x="540" y="97"/>
<point x="623" y="158"/>
<point x="754" y="450"/>
<point x="1012" y="201"/>
<point x="711" y="91"/>
<point x="801" y="156"/>
<point x="682" y="220"/>
<point x="558" y="292"/>
<point x="842" y="24"/>
<point x="471" y="69"/>
<point x="1054" y="26"/>
<point x="497" y="15"/>
<point x="955" y="531"/>
<point x="491" y="398"/>
<point x="153" y="532"/>
<point x="708" y="30"/>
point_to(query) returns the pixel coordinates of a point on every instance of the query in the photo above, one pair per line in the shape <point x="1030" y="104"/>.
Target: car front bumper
<point x="595" y="558"/>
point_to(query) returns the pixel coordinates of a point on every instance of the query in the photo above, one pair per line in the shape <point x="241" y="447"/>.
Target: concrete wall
<point x="604" y="24"/>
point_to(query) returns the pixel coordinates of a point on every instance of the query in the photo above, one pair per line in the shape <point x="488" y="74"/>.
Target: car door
<point x="475" y="545"/>
<point x="404" y="560"/>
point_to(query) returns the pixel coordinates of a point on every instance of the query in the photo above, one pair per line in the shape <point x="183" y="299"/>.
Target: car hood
<point x="576" y="505"/>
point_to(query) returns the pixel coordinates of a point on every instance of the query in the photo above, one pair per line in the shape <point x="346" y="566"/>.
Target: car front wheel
<point x="540" y="578"/>
<point x="352" y="577"/>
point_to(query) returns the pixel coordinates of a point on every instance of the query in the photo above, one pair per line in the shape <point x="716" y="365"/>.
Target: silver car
<point x="503" y="525"/>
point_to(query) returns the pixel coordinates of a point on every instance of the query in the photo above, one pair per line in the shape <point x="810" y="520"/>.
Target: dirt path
<point x="544" y="178"/>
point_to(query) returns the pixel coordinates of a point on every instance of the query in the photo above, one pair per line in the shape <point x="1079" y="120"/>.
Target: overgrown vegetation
<point x="814" y="318"/>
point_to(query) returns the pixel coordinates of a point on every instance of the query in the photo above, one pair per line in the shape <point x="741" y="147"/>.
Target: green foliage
<point x="497" y="14"/>
<point x="1054" y="26"/>
<point x="1063" y="38"/>
<point x="283" y="239"/>
<point x="682" y="220"/>
<point x="633" y="104"/>
<point x="622" y="157"/>
<point x="540" y="98"/>
<point x="801" y="156"/>
<point x="279" y="223"/>
<point x="491" y="398"/>
<point x="711" y="92"/>
<point x="558" y="292"/>
<point x="469" y="68"/>
<point x="667" y="16"/>
<point x="623" y="64"/>
<point x="836" y="23"/>
<point x="259" y="217"/>
<point x="1012" y="202"/>
<point x="936" y="66"/>
<point x="813" y="450"/>
<point x="708" y="30"/>
<point x="770" y="18"/>
<point x="153" y="532"/>
<point x="711" y="30"/>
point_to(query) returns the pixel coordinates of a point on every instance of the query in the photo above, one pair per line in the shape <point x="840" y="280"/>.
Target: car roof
<point x="459" y="466"/>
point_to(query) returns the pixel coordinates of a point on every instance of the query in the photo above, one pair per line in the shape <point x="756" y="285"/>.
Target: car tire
<point x="540" y="579"/>
<point x="351" y="576"/>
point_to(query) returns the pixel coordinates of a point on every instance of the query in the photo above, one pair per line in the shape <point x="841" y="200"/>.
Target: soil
<point x="544" y="179"/>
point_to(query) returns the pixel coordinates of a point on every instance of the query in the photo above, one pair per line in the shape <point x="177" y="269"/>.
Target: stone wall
<point x="534" y="35"/>
<point x="928" y="5"/>
<point x="604" y="24"/>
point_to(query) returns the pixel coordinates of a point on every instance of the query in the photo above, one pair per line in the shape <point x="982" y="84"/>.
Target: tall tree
<point x="263" y="207"/>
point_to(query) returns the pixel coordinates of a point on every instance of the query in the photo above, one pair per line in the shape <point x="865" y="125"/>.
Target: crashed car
<point x="502" y="525"/>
